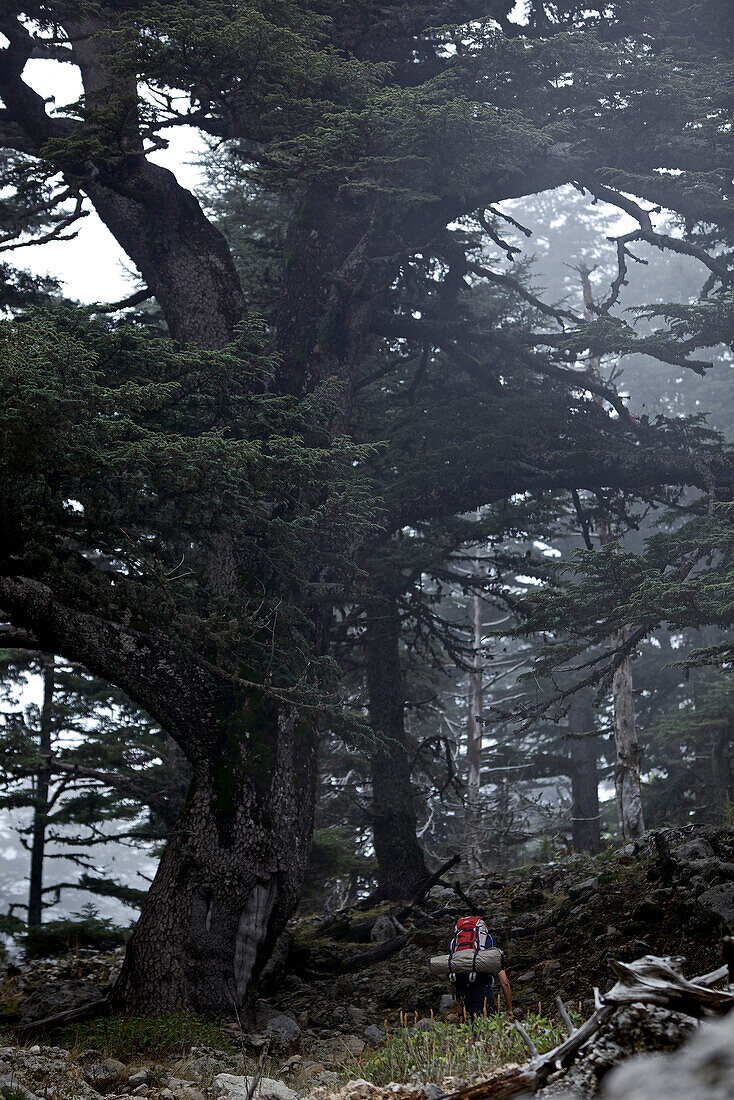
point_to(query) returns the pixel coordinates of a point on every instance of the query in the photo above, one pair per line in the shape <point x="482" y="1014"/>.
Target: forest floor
<point x="559" y="924"/>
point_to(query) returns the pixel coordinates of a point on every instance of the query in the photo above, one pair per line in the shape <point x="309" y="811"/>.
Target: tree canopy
<point x="188" y="508"/>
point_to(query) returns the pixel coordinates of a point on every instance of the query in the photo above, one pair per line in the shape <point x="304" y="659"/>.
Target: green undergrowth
<point x="476" y="1047"/>
<point x="131" y="1037"/>
<point x="87" y="930"/>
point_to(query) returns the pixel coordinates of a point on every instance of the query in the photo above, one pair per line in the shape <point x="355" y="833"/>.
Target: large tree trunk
<point x="585" y="829"/>
<point x="40" y="808"/>
<point x="400" y="859"/>
<point x="472" y="848"/>
<point x="231" y="873"/>
<point x="628" y="753"/>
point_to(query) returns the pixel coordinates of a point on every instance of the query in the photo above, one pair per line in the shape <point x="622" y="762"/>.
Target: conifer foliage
<point x="185" y="510"/>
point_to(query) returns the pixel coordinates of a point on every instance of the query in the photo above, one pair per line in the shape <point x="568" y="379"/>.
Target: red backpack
<point x="470" y="933"/>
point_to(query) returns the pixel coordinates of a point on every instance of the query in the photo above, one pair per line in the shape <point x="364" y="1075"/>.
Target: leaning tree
<point x="183" y="515"/>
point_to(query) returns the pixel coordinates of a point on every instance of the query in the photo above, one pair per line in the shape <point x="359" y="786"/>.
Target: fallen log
<point x="68" y="1016"/>
<point x="346" y="964"/>
<point x="650" y="980"/>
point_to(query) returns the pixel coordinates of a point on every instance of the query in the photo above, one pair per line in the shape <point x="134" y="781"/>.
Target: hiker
<point x="472" y="963"/>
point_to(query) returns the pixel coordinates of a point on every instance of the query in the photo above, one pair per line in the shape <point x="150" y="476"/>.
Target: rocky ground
<point x="670" y="893"/>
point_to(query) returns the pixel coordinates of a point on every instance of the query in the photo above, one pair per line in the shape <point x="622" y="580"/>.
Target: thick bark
<point x="472" y="848"/>
<point x="40" y="809"/>
<point x="183" y="258"/>
<point x="585" y="829"/>
<point x="231" y="873"/>
<point x="627" y="768"/>
<point x="400" y="859"/>
<point x="232" y="870"/>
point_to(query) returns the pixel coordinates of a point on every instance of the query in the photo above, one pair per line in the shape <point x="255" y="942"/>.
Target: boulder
<point x="693" y="849"/>
<point x="373" y="1035"/>
<point x="386" y="928"/>
<point x="583" y="889"/>
<point x="649" y="912"/>
<point x="10" y="1086"/>
<point x="231" y="1087"/>
<point x="56" y="997"/>
<point x="339" y="1049"/>
<point x="283" y="1031"/>
<point x="102" y="1075"/>
<point x="719" y="900"/>
<point x="702" y="1069"/>
<point x="207" y="1061"/>
<point x="326" y="1079"/>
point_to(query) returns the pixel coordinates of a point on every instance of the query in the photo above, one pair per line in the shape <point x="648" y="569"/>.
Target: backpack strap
<point x="451" y="952"/>
<point x="473" y="975"/>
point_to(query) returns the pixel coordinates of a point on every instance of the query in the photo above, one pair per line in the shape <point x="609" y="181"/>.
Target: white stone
<point x="233" y="1087"/>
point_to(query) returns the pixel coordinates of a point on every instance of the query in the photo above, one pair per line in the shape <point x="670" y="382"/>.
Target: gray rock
<point x="231" y="1087"/>
<point x="207" y="1062"/>
<point x="693" y="849"/>
<point x="284" y="1032"/>
<point x="440" y="893"/>
<point x="100" y="1075"/>
<point x="583" y="889"/>
<point x="447" y="1004"/>
<point x="373" y="1035"/>
<point x="326" y="1079"/>
<point x="11" y="1087"/>
<point x="357" y="1016"/>
<point x="138" y="1078"/>
<point x="434" y="1092"/>
<point x="719" y="900"/>
<point x="701" y="1070"/>
<point x="386" y="928"/>
<point x="56" y="997"/>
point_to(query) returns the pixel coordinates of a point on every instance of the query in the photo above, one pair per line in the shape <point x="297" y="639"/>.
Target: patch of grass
<point x="475" y="1048"/>
<point x="131" y="1037"/>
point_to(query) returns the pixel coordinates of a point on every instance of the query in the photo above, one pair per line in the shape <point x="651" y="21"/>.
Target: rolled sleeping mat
<point x="488" y="961"/>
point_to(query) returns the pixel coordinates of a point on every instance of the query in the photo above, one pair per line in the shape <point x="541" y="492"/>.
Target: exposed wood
<point x="349" y="963"/>
<point x="475" y="908"/>
<point x="713" y="977"/>
<point x="564" y="1015"/>
<point x="658" y="981"/>
<point x="648" y="981"/>
<point x="68" y="1016"/>
<point x="430" y="882"/>
<point x="727" y="953"/>
<point x="532" y="1049"/>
